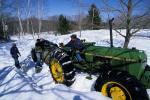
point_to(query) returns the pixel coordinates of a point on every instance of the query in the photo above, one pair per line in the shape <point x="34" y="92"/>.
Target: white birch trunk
<point x="19" y="19"/>
<point x="28" y="14"/>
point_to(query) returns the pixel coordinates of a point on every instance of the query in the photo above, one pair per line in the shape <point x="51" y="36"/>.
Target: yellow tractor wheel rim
<point x="116" y="92"/>
<point x="57" y="71"/>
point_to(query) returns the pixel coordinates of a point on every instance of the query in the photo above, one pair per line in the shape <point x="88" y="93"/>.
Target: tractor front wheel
<point x="62" y="69"/>
<point x="120" y="85"/>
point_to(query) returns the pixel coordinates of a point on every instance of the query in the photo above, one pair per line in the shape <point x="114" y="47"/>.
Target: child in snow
<point x="15" y="54"/>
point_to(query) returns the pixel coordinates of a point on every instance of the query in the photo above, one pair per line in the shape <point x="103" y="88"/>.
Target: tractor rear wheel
<point x="120" y="85"/>
<point x="62" y="69"/>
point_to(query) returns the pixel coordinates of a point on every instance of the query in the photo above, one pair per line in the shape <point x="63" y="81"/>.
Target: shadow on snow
<point x="13" y="80"/>
<point x="13" y="86"/>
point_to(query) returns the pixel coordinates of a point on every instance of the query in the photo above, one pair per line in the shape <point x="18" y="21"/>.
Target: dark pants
<point x="39" y="62"/>
<point x="16" y="62"/>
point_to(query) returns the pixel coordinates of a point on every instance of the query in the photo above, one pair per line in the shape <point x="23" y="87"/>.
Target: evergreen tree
<point x="63" y="25"/>
<point x="94" y="17"/>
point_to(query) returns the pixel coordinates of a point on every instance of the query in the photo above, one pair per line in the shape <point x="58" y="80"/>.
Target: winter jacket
<point x="39" y="47"/>
<point x="75" y="45"/>
<point x="14" y="52"/>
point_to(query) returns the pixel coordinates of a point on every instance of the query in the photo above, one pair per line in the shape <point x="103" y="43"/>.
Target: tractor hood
<point x="128" y="55"/>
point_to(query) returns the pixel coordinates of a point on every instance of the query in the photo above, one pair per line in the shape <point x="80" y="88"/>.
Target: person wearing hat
<point x="77" y="45"/>
<point x="15" y="54"/>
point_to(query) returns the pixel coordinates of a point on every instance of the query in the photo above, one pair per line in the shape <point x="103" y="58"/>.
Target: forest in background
<point x="31" y="16"/>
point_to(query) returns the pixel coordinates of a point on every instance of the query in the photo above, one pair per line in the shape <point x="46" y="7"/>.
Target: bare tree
<point x="80" y="5"/>
<point x="18" y="11"/>
<point x="80" y="12"/>
<point x="126" y="10"/>
<point x="4" y="16"/>
<point x="28" y="14"/>
<point x="39" y="13"/>
<point x="52" y="23"/>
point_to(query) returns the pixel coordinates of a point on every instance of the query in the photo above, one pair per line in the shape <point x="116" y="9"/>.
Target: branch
<point x="123" y="3"/>
<point x="137" y="3"/>
<point x="132" y="33"/>
<point x="146" y="13"/>
<point x="122" y="6"/>
<point x="120" y="33"/>
<point x="110" y="8"/>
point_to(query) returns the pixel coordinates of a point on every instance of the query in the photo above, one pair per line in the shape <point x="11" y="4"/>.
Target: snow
<point x="15" y="85"/>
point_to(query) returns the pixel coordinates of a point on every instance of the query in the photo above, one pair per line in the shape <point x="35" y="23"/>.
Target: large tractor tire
<point x="120" y="85"/>
<point x="62" y="69"/>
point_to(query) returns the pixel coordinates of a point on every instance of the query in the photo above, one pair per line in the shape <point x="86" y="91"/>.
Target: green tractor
<point x="123" y="74"/>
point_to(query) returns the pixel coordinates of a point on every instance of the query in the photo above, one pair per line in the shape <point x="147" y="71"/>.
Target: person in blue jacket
<point x="15" y="54"/>
<point x="77" y="45"/>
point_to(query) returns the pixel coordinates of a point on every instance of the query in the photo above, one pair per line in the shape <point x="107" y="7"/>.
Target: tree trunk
<point x="3" y="26"/>
<point x="126" y="43"/>
<point x="28" y="26"/>
<point x="28" y="13"/>
<point x="20" y="24"/>
<point x="32" y="30"/>
<point x="128" y="24"/>
<point x="19" y="19"/>
<point x="39" y="17"/>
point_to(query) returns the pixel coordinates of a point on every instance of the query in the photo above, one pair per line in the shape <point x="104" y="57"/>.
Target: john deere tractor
<point x="123" y="74"/>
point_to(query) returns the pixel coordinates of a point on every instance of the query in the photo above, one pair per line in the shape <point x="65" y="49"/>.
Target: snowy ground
<point x="15" y="85"/>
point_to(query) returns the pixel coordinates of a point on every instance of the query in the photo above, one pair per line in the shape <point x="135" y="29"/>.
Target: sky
<point x="71" y="7"/>
<point x="67" y="7"/>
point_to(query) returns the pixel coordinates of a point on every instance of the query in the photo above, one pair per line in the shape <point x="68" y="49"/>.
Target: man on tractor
<point x="76" y="45"/>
